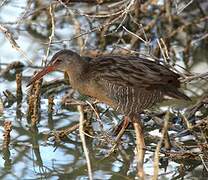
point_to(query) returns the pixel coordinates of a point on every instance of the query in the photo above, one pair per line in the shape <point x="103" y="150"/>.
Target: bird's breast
<point x="92" y="89"/>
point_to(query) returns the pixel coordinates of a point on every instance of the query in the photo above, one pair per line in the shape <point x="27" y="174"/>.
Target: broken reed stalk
<point x="11" y="66"/>
<point x="19" y="87"/>
<point x="50" y="104"/>
<point x="157" y="151"/>
<point x="30" y="101"/>
<point x="1" y="107"/>
<point x="6" y="135"/>
<point x="50" y="112"/>
<point x="82" y="137"/>
<point x="34" y="102"/>
<point x="167" y="143"/>
<point x="36" y="107"/>
<point x="10" y="97"/>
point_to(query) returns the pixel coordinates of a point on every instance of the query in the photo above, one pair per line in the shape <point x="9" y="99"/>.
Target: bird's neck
<point x="76" y="73"/>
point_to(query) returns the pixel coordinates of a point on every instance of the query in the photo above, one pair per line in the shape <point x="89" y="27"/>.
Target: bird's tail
<point x="175" y="93"/>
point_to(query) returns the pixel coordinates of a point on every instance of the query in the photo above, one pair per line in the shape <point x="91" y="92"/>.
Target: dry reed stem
<point x="6" y="135"/>
<point x="157" y="151"/>
<point x="50" y="104"/>
<point x="82" y="137"/>
<point x="140" y="147"/>
<point x="19" y="87"/>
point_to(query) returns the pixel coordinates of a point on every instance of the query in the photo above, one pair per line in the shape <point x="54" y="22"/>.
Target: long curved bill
<point x="40" y="74"/>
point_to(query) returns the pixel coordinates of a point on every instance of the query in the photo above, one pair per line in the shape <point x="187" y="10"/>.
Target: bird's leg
<point x="140" y="145"/>
<point x="125" y="124"/>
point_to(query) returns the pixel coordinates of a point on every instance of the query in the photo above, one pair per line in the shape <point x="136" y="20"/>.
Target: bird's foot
<point x="58" y="136"/>
<point x="113" y="149"/>
<point x="62" y="135"/>
<point x="119" y="131"/>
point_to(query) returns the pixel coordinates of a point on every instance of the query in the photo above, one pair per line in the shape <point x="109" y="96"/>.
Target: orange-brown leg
<point x="140" y="145"/>
<point x="124" y="124"/>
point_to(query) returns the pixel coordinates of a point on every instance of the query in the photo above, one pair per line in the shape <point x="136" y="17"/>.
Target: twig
<point x="199" y="39"/>
<point x="14" y="44"/>
<point x="122" y="11"/>
<point x="22" y="16"/>
<point x="180" y="9"/>
<point x="2" y="3"/>
<point x="82" y="137"/>
<point x="61" y="134"/>
<point x="89" y="31"/>
<point x="188" y="124"/>
<point x="165" y="48"/>
<point x="157" y="151"/>
<point x="52" y="32"/>
<point x="162" y="51"/>
<point x="203" y="76"/>
<point x="200" y="155"/>
<point x="121" y="14"/>
<point x="77" y="26"/>
<point x="96" y="113"/>
<point x="145" y="42"/>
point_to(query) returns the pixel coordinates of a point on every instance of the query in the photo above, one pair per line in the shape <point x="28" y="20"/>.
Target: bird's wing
<point x="133" y="71"/>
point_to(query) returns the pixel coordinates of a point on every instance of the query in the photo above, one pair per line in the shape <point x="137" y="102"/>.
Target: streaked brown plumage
<point x="127" y="83"/>
<point x="133" y="83"/>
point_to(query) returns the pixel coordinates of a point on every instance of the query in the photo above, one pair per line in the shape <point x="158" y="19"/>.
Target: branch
<point x="14" y="44"/>
<point x="82" y="137"/>
<point x="157" y="151"/>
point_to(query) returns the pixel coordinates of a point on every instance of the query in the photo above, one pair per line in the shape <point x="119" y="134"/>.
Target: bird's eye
<point x="58" y="61"/>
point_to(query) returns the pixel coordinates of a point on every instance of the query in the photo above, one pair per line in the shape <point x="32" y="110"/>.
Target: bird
<point x="127" y="83"/>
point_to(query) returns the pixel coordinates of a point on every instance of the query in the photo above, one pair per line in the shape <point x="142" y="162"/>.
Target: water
<point x="31" y="155"/>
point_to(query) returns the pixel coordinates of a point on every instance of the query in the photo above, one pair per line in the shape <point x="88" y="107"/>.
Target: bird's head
<point x="61" y="61"/>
